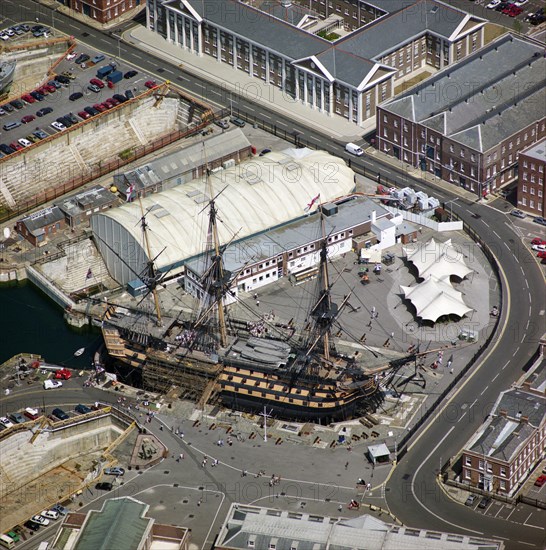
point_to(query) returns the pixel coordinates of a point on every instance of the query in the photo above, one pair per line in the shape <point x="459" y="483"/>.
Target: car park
<point x="33" y="526"/>
<point x="130" y="74"/>
<point x="28" y="118"/>
<point x="82" y="58"/>
<point x="484" y="502"/>
<point x="59" y="413"/>
<point x="97" y="82"/>
<point x="116" y="471"/>
<point x="75" y="96"/>
<point x="25" y="142"/>
<point x="224" y="124"/>
<point x="150" y="84"/>
<point x="540" y="220"/>
<point x="470" y="501"/>
<point x="52" y="384"/>
<point x="50" y="514"/>
<point x="17" y="417"/>
<point x="237" y="121"/>
<point x="91" y="111"/>
<point x="518" y="214"/>
<point x="82" y="409"/>
<point x="104" y="486"/>
<point x="44" y="111"/>
<point x="40" y="134"/>
<point x="6" y="422"/>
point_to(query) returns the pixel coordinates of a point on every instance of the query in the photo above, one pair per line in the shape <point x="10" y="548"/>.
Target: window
<point x="468" y="461"/>
<point x="467" y="474"/>
<point x="480" y="465"/>
<point x="524" y="189"/>
<point x="502" y="485"/>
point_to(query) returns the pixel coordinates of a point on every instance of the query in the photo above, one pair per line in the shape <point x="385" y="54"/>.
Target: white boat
<point x="79" y="352"/>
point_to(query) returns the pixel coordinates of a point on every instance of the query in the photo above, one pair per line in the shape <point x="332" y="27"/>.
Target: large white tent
<point x="254" y="196"/>
<point x="437" y="259"/>
<point x="434" y="298"/>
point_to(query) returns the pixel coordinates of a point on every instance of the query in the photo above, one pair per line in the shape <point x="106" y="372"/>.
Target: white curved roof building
<point x="256" y="195"/>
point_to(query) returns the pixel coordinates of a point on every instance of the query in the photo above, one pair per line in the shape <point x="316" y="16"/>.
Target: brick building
<point x="37" y="227"/>
<point x="370" y="47"/>
<point x="531" y="174"/>
<point x="467" y="123"/>
<point x="102" y="11"/>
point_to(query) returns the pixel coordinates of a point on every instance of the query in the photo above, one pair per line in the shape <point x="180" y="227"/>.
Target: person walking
<point x="346" y="464"/>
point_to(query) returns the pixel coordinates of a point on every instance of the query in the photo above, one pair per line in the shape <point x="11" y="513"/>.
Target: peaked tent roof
<point x="437" y="259"/>
<point x="434" y="298"/>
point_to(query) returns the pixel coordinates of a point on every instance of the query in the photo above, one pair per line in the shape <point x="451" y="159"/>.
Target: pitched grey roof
<point x="481" y="98"/>
<point x="537" y="151"/>
<point x="292" y="13"/>
<point x="345" y="66"/>
<point x="516" y="402"/>
<point x="386" y="33"/>
<point x="37" y="221"/>
<point x="89" y="199"/>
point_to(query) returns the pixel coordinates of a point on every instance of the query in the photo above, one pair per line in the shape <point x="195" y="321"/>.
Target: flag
<point x="89" y="274"/>
<point x="129" y="192"/>
<point x="313" y="201"/>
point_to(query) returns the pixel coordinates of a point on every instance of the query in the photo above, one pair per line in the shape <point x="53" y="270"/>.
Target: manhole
<point x="191" y="516"/>
<point x="185" y="501"/>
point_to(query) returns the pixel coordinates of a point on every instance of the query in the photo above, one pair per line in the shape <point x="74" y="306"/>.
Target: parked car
<point x="99" y="107"/>
<point x="50" y="514"/>
<point x="55" y="84"/>
<point x="541" y="255"/>
<point x="17" y="103"/>
<point x="69" y="74"/>
<point x="15" y="145"/>
<point x="75" y="96"/>
<point x="150" y="84"/>
<point x="44" y="111"/>
<point x="28" y="98"/>
<point x="58" y="125"/>
<point x="97" y="82"/>
<point x="224" y="124"/>
<point x="84" y="115"/>
<point x="52" y="384"/>
<point x="49" y="88"/>
<point x="33" y="526"/>
<point x="13" y="536"/>
<point x="540" y="220"/>
<point x="116" y="471"/>
<point x="40" y="134"/>
<point x="82" y="409"/>
<point x="17" y="417"/>
<point x="32" y="138"/>
<point x="37" y="95"/>
<point x="28" y="118"/>
<point x="91" y="110"/>
<point x="72" y="117"/>
<point x="62" y="79"/>
<point x="518" y="213"/>
<point x="541" y="480"/>
<point x="130" y="74"/>
<point x="8" y="108"/>
<point x="98" y="58"/>
<point x="61" y="509"/>
<point x="112" y="101"/>
<point x="237" y="121"/>
<point x="484" y="502"/>
<point x="493" y="4"/>
<point x="25" y="142"/>
<point x="471" y="500"/>
<point x="539" y="247"/>
<point x="6" y="422"/>
<point x="93" y="88"/>
<point x="66" y="122"/>
<point x="264" y="152"/>
<point x="536" y="240"/>
<point x="6" y="149"/>
<point x="129" y="94"/>
<point x="104" y="486"/>
<point x="59" y="413"/>
<point x="82" y="58"/>
<point x="502" y="6"/>
<point x="39" y="519"/>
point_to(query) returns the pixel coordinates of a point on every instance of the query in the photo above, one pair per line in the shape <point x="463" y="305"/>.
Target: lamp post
<point x="118" y="37"/>
<point x="451" y="207"/>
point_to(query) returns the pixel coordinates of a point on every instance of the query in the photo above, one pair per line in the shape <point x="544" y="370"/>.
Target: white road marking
<point x="485" y="223"/>
<point x="496" y="376"/>
<point x="168" y="71"/>
<point x="415" y="496"/>
<point x="484" y="390"/>
<point x="507" y="363"/>
<point x="516" y="352"/>
<point x="495" y="233"/>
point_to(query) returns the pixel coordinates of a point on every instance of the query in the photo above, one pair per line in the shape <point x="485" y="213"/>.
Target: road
<point x="411" y="493"/>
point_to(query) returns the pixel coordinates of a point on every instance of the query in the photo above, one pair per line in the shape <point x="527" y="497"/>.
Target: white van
<point x="52" y="384"/>
<point x="6" y="542"/>
<point x="44" y="545"/>
<point x="354" y="149"/>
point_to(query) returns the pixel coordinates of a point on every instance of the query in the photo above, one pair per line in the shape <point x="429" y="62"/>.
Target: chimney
<point x="374" y="216"/>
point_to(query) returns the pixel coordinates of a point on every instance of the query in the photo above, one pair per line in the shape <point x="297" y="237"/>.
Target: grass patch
<point x="126" y="154"/>
<point x="407" y="84"/>
<point x="331" y="36"/>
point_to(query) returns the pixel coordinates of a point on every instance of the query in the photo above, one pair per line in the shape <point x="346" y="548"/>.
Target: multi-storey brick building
<point x="281" y="44"/>
<point x="531" y="174"/>
<point x="503" y="451"/>
<point x="467" y="123"/>
<point x="102" y="11"/>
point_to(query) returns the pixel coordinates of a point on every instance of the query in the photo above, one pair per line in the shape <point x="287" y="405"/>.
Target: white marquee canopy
<point x="434" y="298"/>
<point x="437" y="259"/>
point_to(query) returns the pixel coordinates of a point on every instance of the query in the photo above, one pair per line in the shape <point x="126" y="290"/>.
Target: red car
<point x="16" y="146"/>
<point x="97" y="82"/>
<point x="542" y="255"/>
<point x="28" y="98"/>
<point x="100" y="107"/>
<point x="541" y="480"/>
<point x="49" y="88"/>
<point x="113" y="101"/>
<point x="107" y="105"/>
<point x="84" y="115"/>
<point x="150" y="84"/>
<point x="27" y="118"/>
<point x="514" y="11"/>
<point x="538" y="241"/>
